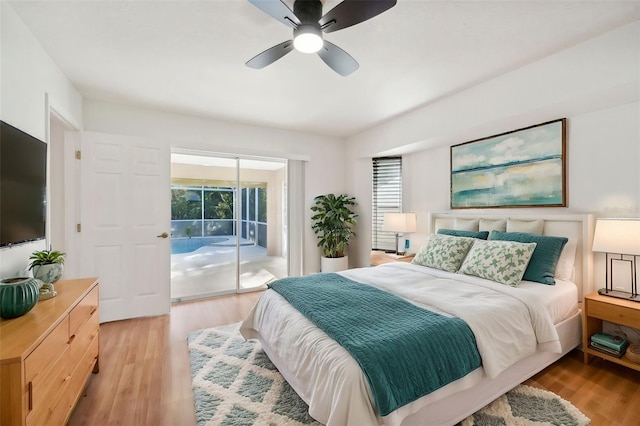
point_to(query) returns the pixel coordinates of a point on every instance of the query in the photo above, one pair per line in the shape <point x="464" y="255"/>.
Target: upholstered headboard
<point x="578" y="228"/>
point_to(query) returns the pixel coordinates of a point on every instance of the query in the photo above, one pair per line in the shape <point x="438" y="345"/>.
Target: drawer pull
<point x="93" y="311"/>
<point x="30" y="390"/>
<point x="72" y="338"/>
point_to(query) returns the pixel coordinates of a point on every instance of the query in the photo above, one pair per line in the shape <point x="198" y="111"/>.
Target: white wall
<point x="324" y="171"/>
<point x="27" y="77"/>
<point x="594" y="84"/>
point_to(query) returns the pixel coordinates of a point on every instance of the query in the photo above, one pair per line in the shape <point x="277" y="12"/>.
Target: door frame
<point x="237" y="208"/>
<point x="70" y="182"/>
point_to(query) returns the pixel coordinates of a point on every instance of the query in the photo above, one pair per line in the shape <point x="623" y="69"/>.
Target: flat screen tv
<point x="23" y="185"/>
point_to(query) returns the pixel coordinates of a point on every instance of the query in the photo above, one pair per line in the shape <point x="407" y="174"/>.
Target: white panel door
<point x="125" y="216"/>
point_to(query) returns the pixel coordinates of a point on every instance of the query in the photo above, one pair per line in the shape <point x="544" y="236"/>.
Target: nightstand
<point x="378" y="257"/>
<point x="618" y="311"/>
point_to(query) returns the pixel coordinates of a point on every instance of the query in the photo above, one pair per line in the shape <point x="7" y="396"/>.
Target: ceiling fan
<point x="308" y="24"/>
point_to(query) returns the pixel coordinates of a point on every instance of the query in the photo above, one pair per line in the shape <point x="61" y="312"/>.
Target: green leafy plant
<point x="333" y="222"/>
<point x="46" y="257"/>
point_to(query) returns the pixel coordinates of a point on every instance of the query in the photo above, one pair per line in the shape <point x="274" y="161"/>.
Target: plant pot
<point x="334" y="264"/>
<point x="49" y="273"/>
<point x="17" y="296"/>
<point x="47" y="291"/>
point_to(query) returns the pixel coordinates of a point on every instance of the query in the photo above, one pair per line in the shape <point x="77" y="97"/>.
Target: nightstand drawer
<point x="618" y="314"/>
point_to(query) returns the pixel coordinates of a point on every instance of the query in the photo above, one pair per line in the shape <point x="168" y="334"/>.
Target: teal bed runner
<point x="405" y="351"/>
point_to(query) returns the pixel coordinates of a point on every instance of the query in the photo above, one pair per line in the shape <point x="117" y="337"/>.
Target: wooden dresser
<point x="47" y="355"/>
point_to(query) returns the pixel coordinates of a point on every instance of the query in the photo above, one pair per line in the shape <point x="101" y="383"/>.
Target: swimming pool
<point x="187" y="245"/>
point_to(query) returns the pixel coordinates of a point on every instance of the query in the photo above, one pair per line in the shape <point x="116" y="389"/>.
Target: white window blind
<point x="386" y="198"/>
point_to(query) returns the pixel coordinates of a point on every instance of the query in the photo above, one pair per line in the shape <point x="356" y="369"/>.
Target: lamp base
<point x="619" y="294"/>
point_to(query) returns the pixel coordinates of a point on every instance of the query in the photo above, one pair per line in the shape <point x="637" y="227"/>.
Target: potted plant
<point x="333" y="222"/>
<point x="47" y="266"/>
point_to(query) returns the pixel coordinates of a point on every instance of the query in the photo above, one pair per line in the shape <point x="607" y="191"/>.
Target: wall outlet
<point x="406" y="245"/>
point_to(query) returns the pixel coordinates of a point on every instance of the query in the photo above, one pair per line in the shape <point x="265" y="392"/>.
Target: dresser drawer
<point x="619" y="315"/>
<point x="47" y="387"/>
<point x="56" y="410"/>
<point x="39" y="360"/>
<point x="82" y="370"/>
<point x="85" y="335"/>
<point x="83" y="311"/>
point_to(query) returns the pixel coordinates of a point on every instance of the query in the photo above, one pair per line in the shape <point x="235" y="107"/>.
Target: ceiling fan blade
<point x="270" y="55"/>
<point x="352" y="12"/>
<point x="337" y="59"/>
<point x="279" y="10"/>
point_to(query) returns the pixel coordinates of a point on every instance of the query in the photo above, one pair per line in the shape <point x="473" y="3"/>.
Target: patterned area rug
<point x="235" y="384"/>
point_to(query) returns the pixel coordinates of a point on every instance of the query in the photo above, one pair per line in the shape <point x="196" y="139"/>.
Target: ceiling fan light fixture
<point x="307" y="39"/>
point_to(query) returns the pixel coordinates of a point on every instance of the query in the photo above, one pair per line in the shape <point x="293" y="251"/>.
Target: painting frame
<point x="521" y="168"/>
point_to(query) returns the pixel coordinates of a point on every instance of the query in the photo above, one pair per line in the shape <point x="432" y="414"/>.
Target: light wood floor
<point x="144" y="374"/>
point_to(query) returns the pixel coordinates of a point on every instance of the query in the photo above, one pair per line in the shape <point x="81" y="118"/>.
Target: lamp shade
<point x="620" y="236"/>
<point x="399" y="222"/>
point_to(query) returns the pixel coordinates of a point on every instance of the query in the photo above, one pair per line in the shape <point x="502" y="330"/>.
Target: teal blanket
<point x="404" y="351"/>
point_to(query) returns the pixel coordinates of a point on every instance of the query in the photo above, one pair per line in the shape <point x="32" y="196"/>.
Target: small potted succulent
<point x="47" y="266"/>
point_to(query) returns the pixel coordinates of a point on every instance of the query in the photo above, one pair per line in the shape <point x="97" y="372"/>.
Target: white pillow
<point x="465" y="224"/>
<point x="530" y="226"/>
<point x="564" y="268"/>
<point x="500" y="261"/>
<point x="492" y="225"/>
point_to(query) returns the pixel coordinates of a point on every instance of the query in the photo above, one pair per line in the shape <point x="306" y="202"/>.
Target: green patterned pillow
<point x="501" y="261"/>
<point x="544" y="259"/>
<point x="443" y="252"/>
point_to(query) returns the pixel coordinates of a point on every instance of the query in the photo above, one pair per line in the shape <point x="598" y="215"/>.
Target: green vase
<point x="17" y="296"/>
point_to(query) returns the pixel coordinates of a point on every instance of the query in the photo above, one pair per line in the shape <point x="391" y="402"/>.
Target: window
<point x="386" y="198"/>
<point x="201" y="211"/>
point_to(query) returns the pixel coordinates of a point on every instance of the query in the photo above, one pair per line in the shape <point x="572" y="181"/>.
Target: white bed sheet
<point x="560" y="300"/>
<point x="327" y="377"/>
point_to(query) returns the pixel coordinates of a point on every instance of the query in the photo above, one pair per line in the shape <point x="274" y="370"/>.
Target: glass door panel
<point x="203" y="234"/>
<point x="261" y="250"/>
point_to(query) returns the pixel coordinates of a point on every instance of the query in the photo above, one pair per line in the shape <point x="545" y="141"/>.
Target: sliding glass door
<point x="261" y="223"/>
<point x="227" y="218"/>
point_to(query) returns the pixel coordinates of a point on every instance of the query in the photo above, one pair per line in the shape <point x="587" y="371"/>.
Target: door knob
<point x="163" y="235"/>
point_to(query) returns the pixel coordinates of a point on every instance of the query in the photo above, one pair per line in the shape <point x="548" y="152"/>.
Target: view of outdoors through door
<point x="227" y="221"/>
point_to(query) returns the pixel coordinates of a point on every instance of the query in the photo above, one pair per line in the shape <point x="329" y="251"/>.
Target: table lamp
<point x="399" y="223"/>
<point x="619" y="239"/>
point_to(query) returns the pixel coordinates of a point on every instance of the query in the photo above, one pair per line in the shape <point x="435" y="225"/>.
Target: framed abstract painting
<point x="521" y="168"/>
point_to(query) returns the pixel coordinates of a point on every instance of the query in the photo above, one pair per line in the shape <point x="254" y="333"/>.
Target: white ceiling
<point x="188" y="56"/>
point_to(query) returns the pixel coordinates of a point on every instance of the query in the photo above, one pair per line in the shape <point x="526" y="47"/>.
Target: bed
<point x="545" y="320"/>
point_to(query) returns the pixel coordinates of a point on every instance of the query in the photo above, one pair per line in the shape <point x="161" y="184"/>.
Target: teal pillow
<point x="542" y="266"/>
<point x="482" y="235"/>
